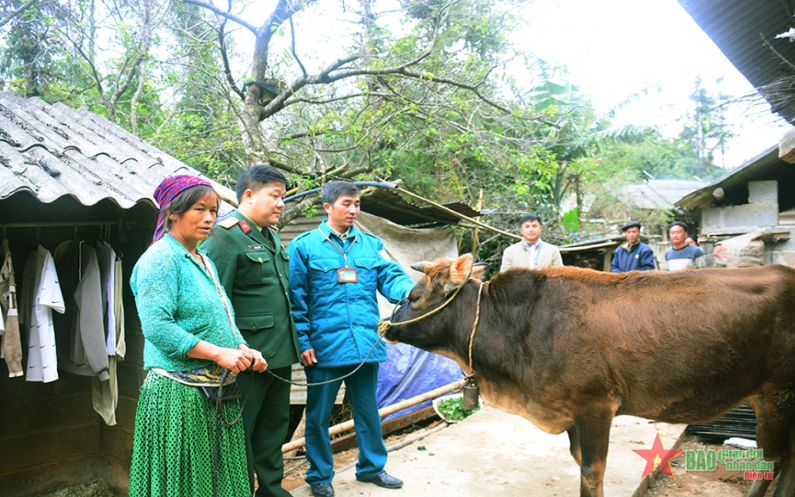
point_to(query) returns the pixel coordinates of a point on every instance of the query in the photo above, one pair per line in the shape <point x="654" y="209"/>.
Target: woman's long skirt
<point x="174" y="444"/>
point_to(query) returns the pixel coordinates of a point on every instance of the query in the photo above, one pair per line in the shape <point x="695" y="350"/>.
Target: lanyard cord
<point x="345" y="252"/>
<point x="383" y="326"/>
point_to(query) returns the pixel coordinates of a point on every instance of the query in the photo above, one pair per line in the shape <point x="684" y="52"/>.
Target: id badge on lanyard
<point x="347" y="275"/>
<point x="344" y="274"/>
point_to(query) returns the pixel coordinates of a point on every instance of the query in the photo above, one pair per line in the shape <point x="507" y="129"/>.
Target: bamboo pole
<point x="454" y="213"/>
<point x="384" y="411"/>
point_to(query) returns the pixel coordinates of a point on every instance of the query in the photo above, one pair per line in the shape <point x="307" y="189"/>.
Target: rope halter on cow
<point x="385" y="324"/>
<point x="471" y="372"/>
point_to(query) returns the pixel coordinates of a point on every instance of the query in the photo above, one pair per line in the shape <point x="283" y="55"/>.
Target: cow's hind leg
<point x="574" y="445"/>
<point x="593" y="432"/>
<point x="775" y="419"/>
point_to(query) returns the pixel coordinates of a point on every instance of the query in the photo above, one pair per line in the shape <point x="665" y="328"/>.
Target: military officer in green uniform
<point x="253" y="268"/>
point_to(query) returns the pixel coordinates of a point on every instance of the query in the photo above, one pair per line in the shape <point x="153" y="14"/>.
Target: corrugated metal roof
<point x="736" y="25"/>
<point x="659" y="193"/>
<point x="766" y="166"/>
<point x="389" y="205"/>
<point x="52" y="150"/>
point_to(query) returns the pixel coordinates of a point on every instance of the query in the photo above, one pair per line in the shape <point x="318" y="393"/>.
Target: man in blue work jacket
<point x="634" y="255"/>
<point x="335" y="271"/>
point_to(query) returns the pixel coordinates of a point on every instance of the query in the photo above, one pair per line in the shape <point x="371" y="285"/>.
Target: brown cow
<point x="571" y="348"/>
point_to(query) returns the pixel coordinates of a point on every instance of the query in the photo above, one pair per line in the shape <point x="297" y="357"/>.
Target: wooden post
<point x="477" y="228"/>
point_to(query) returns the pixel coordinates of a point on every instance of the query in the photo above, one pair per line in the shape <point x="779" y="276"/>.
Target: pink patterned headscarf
<point x="165" y="193"/>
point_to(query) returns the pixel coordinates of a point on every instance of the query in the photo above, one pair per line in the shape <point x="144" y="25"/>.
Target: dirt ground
<point x="295" y="470"/>
<point x="720" y="482"/>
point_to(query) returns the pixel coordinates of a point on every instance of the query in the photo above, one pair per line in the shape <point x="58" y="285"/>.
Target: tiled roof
<point x="52" y="150"/>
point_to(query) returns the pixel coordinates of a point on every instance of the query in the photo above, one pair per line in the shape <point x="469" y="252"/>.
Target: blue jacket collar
<point x="635" y="246"/>
<point x="326" y="230"/>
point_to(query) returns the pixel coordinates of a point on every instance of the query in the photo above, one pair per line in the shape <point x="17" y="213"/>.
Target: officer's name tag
<point x="347" y="275"/>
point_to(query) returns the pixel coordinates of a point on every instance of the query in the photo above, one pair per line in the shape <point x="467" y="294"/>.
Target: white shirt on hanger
<point x="42" y="278"/>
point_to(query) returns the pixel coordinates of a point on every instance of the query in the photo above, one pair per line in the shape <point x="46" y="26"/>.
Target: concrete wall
<point x="762" y="210"/>
<point x="738" y="218"/>
<point x="782" y="252"/>
<point x="659" y="247"/>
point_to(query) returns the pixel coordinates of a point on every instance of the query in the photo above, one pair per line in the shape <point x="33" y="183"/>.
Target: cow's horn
<point x="422" y="267"/>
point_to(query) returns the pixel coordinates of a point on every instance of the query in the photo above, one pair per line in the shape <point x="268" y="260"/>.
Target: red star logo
<point x="658" y="456"/>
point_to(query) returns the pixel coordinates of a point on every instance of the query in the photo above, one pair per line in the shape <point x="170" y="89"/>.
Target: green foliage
<point x="652" y="158"/>
<point x="452" y="409"/>
<point x="706" y="130"/>
<point x="464" y="115"/>
<point x="34" y="60"/>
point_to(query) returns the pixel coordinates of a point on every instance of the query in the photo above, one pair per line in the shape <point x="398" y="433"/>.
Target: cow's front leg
<point x="593" y="430"/>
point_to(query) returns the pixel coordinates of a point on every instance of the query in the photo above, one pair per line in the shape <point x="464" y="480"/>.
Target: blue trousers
<point x="361" y="389"/>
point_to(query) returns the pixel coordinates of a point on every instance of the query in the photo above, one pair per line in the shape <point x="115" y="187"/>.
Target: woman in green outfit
<point x="190" y="339"/>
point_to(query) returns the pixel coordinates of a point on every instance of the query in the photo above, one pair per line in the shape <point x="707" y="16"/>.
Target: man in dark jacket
<point x="253" y="268"/>
<point x="634" y="255"/>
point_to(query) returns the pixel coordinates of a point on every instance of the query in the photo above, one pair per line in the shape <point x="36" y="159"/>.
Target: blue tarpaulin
<point x="408" y="372"/>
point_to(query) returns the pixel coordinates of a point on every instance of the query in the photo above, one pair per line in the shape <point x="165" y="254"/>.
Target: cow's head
<point x="442" y="278"/>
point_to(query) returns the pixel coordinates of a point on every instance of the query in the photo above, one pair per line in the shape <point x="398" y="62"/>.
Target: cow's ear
<point x="422" y="267"/>
<point x="480" y="271"/>
<point x="460" y="270"/>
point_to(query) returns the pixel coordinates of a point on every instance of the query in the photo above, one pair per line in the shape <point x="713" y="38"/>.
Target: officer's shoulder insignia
<point x="229" y="222"/>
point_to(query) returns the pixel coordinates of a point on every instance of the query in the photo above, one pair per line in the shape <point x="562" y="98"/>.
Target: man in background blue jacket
<point x="335" y="272"/>
<point x="634" y="255"/>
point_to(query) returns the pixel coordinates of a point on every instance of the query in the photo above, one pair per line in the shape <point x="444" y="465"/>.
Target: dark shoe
<point x="322" y="490"/>
<point x="385" y="481"/>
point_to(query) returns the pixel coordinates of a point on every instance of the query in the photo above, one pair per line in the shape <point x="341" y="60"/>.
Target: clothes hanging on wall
<point x="107" y="266"/>
<point x="105" y="394"/>
<point x="84" y="286"/>
<point x="11" y="349"/>
<point x="81" y="331"/>
<point x="43" y="295"/>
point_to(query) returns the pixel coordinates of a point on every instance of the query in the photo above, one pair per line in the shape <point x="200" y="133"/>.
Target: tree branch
<point x="330" y="100"/>
<point x="227" y="15"/>
<point x="776" y="52"/>
<point x="277" y="103"/>
<point x="292" y="46"/>
<point x="302" y="135"/>
<point x="299" y="209"/>
<point x="16" y="12"/>
<point x="225" y="57"/>
<point x="94" y="73"/>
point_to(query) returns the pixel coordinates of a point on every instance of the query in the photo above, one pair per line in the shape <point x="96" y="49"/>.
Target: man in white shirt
<point x="531" y="252"/>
